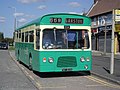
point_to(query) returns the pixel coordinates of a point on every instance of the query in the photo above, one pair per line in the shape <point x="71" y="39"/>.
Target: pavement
<point x="11" y="76"/>
<point x="29" y="77"/>
<point x="101" y="66"/>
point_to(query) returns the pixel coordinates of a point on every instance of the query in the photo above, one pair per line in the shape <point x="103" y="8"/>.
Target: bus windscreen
<point x="65" y="39"/>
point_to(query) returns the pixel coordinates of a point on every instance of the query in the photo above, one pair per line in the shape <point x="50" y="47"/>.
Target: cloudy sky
<point x="27" y="10"/>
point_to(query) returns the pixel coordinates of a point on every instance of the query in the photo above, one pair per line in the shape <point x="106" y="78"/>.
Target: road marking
<point x="94" y="85"/>
<point x="38" y="85"/>
<point x="26" y="72"/>
<point x="31" y="77"/>
<point x="21" y="67"/>
<point x="103" y="82"/>
<point x="55" y="87"/>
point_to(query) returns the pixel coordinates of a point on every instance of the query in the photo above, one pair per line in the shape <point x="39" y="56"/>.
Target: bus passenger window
<point x="22" y="37"/>
<point x="15" y="36"/>
<point x="31" y="36"/>
<point x="26" y="37"/>
<point x="37" y="39"/>
<point x="19" y="34"/>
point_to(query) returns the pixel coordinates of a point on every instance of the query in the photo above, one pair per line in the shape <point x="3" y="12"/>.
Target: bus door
<point x="37" y="40"/>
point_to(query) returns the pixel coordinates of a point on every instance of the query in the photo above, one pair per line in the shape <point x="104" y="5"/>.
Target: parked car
<point x="3" y="45"/>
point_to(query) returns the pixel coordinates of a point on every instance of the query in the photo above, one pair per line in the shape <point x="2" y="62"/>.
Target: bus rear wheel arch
<point x="30" y="62"/>
<point x="18" y="59"/>
<point x="18" y="56"/>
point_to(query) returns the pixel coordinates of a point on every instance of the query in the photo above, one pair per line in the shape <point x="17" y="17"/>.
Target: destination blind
<point x="67" y="20"/>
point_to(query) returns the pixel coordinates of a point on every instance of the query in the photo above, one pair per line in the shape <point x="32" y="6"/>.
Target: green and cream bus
<point x="55" y="43"/>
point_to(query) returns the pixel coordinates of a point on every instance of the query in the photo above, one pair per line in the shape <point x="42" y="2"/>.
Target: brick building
<point x="101" y="15"/>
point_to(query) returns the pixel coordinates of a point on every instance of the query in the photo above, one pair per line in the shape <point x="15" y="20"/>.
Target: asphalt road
<point x="11" y="76"/>
<point x="101" y="66"/>
<point x="62" y="81"/>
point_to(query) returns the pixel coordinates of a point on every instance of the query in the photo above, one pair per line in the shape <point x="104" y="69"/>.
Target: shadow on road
<point x="108" y="71"/>
<point x="60" y="74"/>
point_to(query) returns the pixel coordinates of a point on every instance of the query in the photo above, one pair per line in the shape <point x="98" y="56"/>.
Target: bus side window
<point x="31" y="36"/>
<point x="37" y="39"/>
<point x="26" y="36"/>
<point x="15" y="36"/>
<point x="23" y="37"/>
<point x="20" y="36"/>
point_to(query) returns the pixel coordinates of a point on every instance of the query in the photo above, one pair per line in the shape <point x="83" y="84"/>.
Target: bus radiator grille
<point x="67" y="61"/>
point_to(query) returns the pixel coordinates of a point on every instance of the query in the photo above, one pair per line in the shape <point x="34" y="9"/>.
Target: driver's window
<point x="48" y="39"/>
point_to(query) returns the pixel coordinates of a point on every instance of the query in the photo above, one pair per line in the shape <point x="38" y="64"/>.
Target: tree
<point x="9" y="40"/>
<point x="1" y="37"/>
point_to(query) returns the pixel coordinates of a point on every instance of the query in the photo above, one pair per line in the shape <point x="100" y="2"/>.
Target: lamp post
<point x="14" y="8"/>
<point x="112" y="43"/>
<point x="14" y="16"/>
<point x="105" y="17"/>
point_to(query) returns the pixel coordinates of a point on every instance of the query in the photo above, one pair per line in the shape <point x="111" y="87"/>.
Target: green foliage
<point x="10" y="40"/>
<point x="1" y="37"/>
<point x="11" y="48"/>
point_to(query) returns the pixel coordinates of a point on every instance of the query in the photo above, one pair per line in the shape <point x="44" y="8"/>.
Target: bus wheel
<point x="87" y="72"/>
<point x="30" y="63"/>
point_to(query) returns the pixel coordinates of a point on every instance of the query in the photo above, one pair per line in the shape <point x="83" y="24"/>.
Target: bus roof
<point x="42" y="20"/>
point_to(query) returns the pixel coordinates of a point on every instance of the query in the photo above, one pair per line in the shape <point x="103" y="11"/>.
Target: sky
<point x="28" y="10"/>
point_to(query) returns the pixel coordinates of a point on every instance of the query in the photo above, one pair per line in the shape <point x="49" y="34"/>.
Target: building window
<point x="109" y="19"/>
<point x="100" y="21"/>
<point x="94" y="21"/>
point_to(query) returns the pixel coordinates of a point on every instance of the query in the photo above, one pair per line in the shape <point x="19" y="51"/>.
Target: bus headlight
<point x="82" y="59"/>
<point x="51" y="60"/>
<point x="87" y="59"/>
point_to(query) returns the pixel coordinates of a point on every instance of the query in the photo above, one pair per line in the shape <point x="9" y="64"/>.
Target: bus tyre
<point x="30" y="63"/>
<point x="87" y="72"/>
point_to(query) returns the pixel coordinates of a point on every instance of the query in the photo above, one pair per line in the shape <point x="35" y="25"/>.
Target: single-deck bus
<point x="55" y="43"/>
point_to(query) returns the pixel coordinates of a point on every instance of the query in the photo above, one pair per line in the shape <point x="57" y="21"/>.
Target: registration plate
<point x="66" y="69"/>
